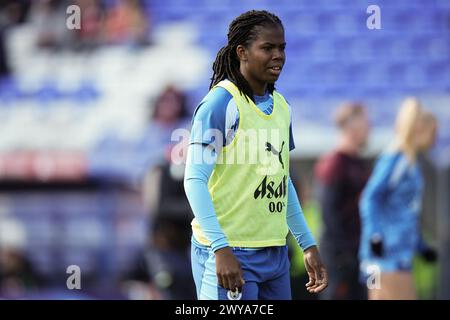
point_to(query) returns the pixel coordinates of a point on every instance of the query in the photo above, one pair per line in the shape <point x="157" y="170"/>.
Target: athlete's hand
<point x="429" y="254"/>
<point x="376" y="245"/>
<point x="228" y="269"/>
<point x="318" y="276"/>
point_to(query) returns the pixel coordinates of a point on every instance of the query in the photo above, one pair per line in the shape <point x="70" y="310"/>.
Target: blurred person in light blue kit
<point x="391" y="204"/>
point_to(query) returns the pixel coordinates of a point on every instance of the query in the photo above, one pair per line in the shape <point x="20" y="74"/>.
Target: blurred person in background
<point x="48" y="18"/>
<point x="17" y="275"/>
<point x="171" y="210"/>
<point x="171" y="231"/>
<point x="163" y="269"/>
<point x="4" y="62"/>
<point x="168" y="112"/>
<point x="89" y="34"/>
<point x="11" y="14"/>
<point x="340" y="178"/>
<point x="391" y="205"/>
<point x="126" y="23"/>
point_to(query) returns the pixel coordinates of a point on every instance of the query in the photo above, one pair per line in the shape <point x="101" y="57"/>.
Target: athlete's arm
<point x="318" y="277"/>
<point x="375" y="192"/>
<point x="294" y="213"/>
<point x="317" y="273"/>
<point x="296" y="220"/>
<point x="211" y="118"/>
<point x="196" y="188"/>
<point x="426" y="251"/>
<point x="228" y="269"/>
<point x="208" y="119"/>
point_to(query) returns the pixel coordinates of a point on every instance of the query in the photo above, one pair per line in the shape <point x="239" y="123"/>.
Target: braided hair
<point x="242" y="31"/>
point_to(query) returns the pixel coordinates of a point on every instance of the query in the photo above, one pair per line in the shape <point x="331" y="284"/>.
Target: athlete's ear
<point x="241" y="52"/>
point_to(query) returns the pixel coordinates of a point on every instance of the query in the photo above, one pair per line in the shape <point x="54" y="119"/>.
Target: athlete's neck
<point x="259" y="88"/>
<point x="347" y="146"/>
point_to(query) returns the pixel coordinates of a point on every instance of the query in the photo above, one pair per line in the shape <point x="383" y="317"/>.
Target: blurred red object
<point x="43" y="166"/>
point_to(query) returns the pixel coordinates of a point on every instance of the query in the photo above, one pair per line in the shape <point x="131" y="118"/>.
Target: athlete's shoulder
<point x="214" y="113"/>
<point x="390" y="165"/>
<point x="216" y="100"/>
<point x="281" y="96"/>
<point x="218" y="96"/>
<point x="390" y="155"/>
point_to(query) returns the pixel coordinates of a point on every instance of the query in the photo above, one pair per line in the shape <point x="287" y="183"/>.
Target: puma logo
<point x="271" y="148"/>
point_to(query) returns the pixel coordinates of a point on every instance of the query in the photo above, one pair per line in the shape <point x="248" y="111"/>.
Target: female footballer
<point x="390" y="208"/>
<point x="244" y="207"/>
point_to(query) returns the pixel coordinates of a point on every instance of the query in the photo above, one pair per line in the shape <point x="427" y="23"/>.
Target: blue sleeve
<point x="296" y="220"/>
<point x="291" y="138"/>
<point x="196" y="179"/>
<point x="208" y="123"/>
<point x="375" y="193"/>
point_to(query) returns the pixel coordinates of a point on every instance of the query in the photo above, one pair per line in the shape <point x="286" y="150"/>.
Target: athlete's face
<point x="361" y="130"/>
<point x="426" y="135"/>
<point x="358" y="129"/>
<point x="263" y="59"/>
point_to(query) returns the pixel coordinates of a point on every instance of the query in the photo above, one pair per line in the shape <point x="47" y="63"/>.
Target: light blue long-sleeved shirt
<point x="390" y="207"/>
<point x="196" y="186"/>
<point x="218" y="111"/>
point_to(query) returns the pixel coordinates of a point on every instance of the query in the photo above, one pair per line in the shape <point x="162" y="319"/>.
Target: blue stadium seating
<point x="330" y="46"/>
